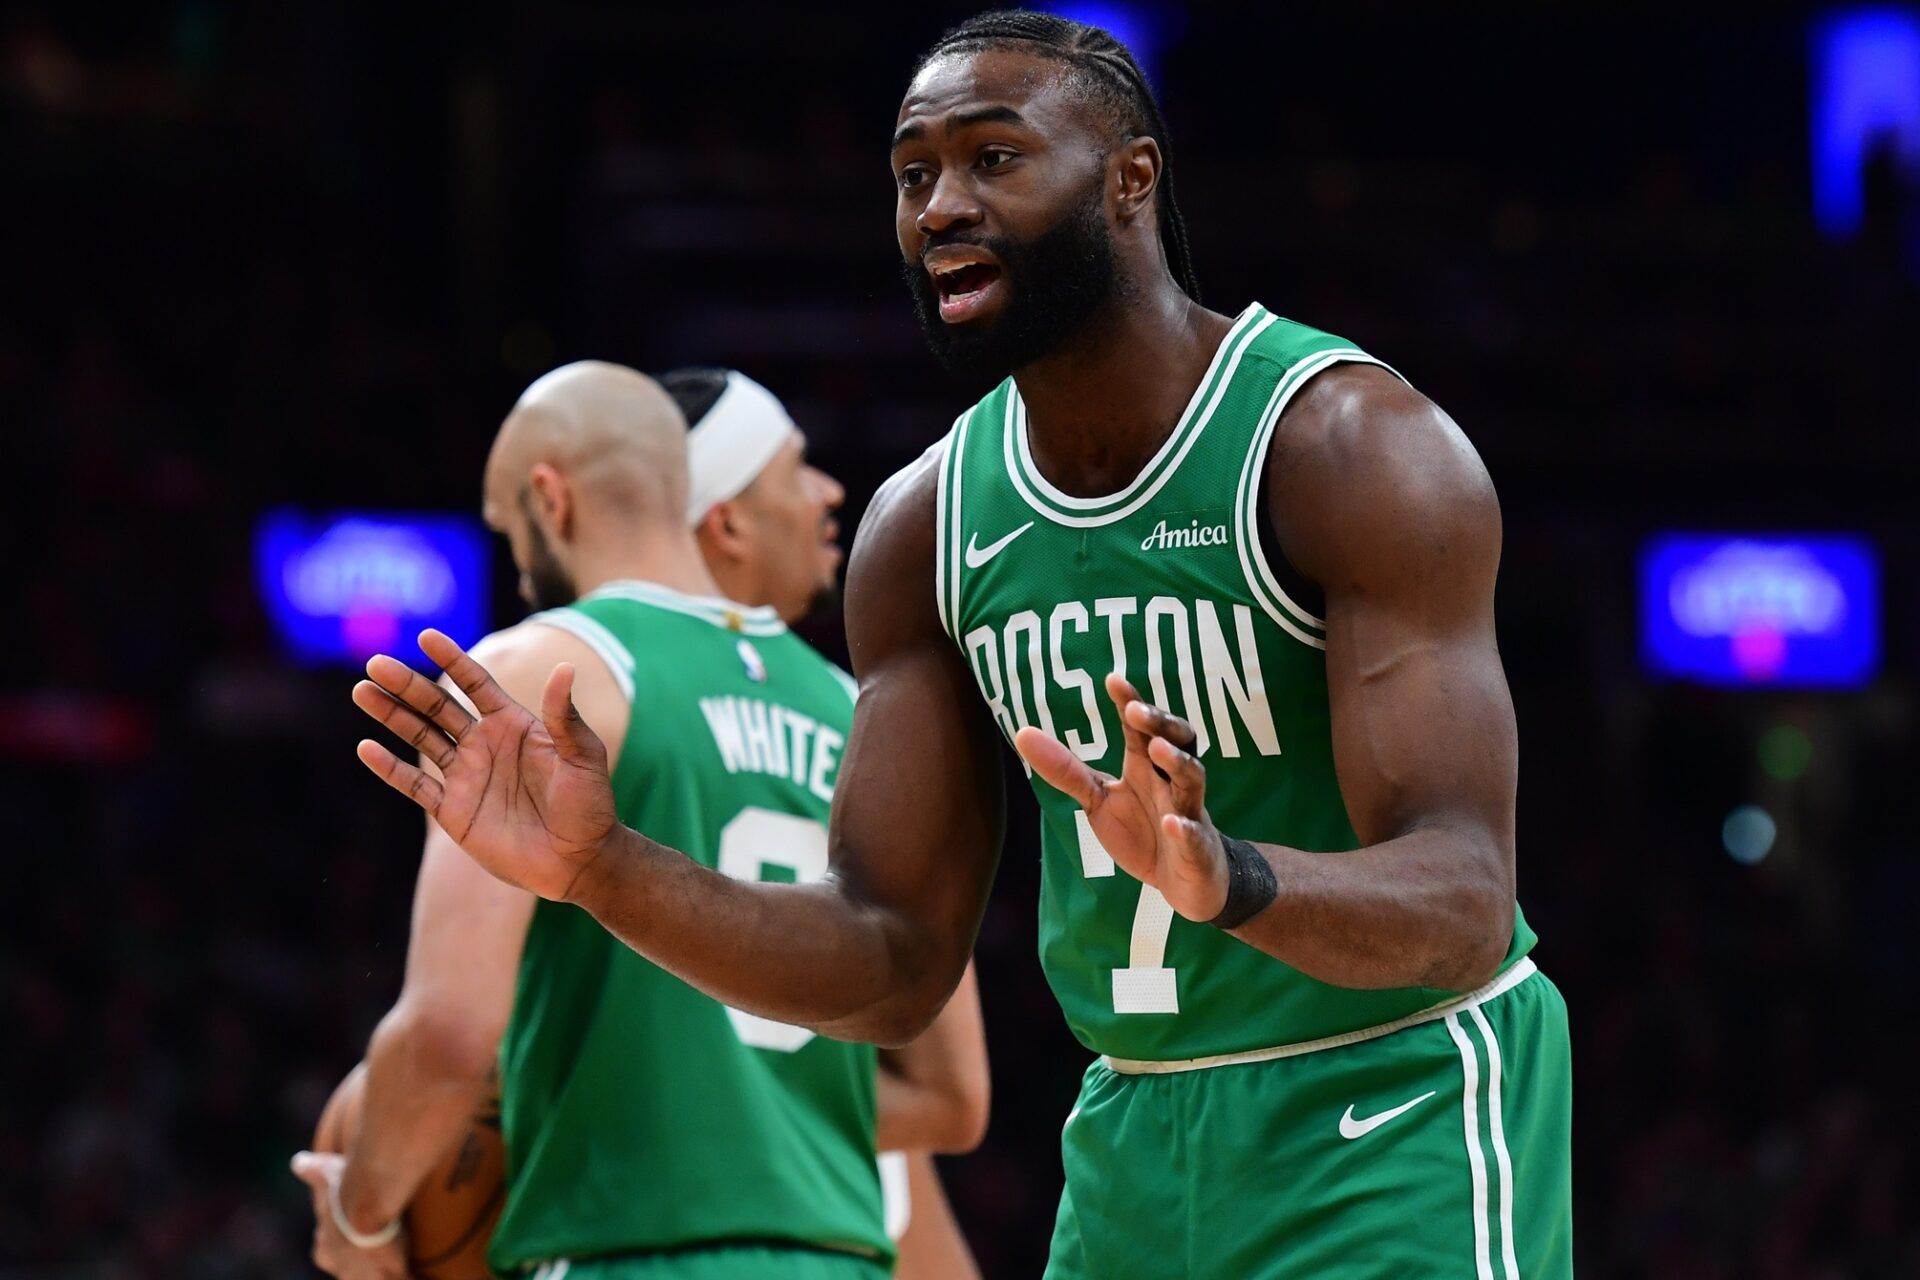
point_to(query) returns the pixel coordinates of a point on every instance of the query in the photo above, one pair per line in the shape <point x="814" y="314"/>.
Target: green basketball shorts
<point x="725" y="1262"/>
<point x="1441" y="1148"/>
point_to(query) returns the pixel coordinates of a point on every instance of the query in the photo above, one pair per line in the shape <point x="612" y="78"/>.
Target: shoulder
<point x="522" y="658"/>
<point x="566" y="635"/>
<point x="1285" y="347"/>
<point x="1363" y="467"/>
<point x="897" y="533"/>
<point x="890" y="597"/>
<point x="909" y="495"/>
<point x="907" y="506"/>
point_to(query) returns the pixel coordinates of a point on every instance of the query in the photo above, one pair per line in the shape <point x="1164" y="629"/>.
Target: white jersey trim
<point x="1150" y="481"/>
<point x="1522" y="969"/>
<point x="1266" y="589"/>
<point x="946" y="527"/>
<point x="896" y="1194"/>
<point x="1189" y="422"/>
<point x="729" y="615"/>
<point x="618" y="661"/>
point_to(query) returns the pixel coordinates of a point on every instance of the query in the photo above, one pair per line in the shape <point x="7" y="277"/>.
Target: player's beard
<point x="1058" y="282"/>
<point x="548" y="585"/>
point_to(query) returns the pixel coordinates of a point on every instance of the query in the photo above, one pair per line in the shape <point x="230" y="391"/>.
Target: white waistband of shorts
<point x="1522" y="969"/>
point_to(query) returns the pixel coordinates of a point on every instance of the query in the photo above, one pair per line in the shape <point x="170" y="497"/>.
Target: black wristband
<point x="1250" y="884"/>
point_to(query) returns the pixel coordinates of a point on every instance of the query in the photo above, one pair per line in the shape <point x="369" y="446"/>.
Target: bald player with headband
<point x="651" y="1131"/>
<point x="763" y="516"/>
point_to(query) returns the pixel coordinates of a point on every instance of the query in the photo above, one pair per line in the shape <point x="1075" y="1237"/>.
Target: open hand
<point x="1152" y="819"/>
<point x="527" y="797"/>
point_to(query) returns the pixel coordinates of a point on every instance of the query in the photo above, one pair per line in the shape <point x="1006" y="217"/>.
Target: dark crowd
<point x="306" y="255"/>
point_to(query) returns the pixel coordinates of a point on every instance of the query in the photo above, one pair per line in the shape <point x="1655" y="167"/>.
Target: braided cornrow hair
<point x="1114" y="75"/>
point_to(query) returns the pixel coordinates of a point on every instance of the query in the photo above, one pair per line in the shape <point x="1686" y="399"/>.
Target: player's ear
<point x="1136" y="176"/>
<point x="552" y="499"/>
<point x="722" y="531"/>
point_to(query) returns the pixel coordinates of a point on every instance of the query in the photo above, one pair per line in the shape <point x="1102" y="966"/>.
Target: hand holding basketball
<point x="528" y="797"/>
<point x="333" y="1253"/>
<point x="1153" y="818"/>
<point x="449" y="1222"/>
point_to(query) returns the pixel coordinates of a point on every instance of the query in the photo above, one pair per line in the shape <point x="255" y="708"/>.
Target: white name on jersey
<point x="1022" y="668"/>
<point x="765" y="737"/>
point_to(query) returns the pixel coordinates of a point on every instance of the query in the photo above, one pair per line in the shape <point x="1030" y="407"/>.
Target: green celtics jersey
<point x="1165" y="582"/>
<point x="638" y="1113"/>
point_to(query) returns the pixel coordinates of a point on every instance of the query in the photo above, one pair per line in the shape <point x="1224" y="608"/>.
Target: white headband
<point x="733" y="443"/>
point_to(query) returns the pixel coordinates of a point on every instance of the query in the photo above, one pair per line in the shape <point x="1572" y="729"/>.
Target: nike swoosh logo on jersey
<point x="1351" y="1128"/>
<point x="978" y="555"/>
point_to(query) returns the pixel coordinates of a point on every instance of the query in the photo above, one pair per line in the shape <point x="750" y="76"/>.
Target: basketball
<point x="451" y="1218"/>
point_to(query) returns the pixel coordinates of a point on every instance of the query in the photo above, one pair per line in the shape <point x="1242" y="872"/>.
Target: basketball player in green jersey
<point x="641" y="1116"/>
<point x="1228" y="583"/>
<point x="763" y="517"/>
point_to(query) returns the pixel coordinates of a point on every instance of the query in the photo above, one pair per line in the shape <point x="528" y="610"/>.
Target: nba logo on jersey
<point x="751" y="660"/>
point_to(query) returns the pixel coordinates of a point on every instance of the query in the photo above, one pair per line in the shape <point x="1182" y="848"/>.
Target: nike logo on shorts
<point x="1351" y="1128"/>
<point x="978" y="555"/>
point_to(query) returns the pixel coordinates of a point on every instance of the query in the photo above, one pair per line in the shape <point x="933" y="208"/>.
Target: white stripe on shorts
<point x="1476" y="1153"/>
<point x="1500" y="1153"/>
<point x="1470" y="1108"/>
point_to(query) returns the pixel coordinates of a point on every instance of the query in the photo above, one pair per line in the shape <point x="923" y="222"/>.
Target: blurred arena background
<point x="269" y="263"/>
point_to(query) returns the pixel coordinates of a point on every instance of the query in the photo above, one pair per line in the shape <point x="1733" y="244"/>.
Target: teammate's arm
<point x="934" y="1092"/>
<point x="934" y="1247"/>
<point x="431" y="1060"/>
<point x="869" y="953"/>
<point x="1377" y="496"/>
<point x="934" y="1095"/>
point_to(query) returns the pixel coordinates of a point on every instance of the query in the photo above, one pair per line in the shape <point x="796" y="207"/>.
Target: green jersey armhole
<point x="582" y="625"/>
<point x="946" y="525"/>
<point x="1264" y="587"/>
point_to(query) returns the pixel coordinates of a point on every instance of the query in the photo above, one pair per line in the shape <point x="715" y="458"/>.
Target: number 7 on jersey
<point x="1145" y="985"/>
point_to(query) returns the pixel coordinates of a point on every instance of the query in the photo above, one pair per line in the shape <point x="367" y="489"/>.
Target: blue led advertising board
<point x="1761" y="609"/>
<point x="1865" y="94"/>
<point x="343" y="586"/>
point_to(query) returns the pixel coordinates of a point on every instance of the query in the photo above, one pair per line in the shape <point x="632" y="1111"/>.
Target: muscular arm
<point x="430" y="1062"/>
<point x="934" y="1092"/>
<point x="872" y="951"/>
<point x="1378" y="497"/>
<point x="430" y="1058"/>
